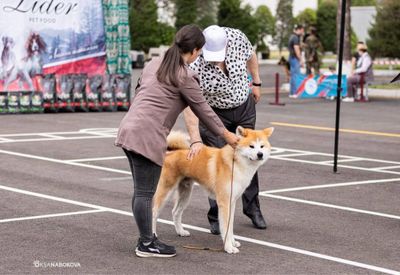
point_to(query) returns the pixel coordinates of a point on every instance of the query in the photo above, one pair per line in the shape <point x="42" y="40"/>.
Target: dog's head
<point x="254" y="144"/>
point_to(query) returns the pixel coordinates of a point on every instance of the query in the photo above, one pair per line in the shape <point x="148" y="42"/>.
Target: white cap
<point x="216" y="40"/>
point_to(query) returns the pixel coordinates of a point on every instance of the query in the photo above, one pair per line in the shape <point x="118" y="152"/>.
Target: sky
<point x="298" y="5"/>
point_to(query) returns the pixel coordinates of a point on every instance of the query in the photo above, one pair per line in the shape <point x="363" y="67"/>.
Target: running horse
<point x="31" y="64"/>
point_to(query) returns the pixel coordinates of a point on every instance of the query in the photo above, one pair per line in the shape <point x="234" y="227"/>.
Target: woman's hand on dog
<point x="194" y="150"/>
<point x="231" y="138"/>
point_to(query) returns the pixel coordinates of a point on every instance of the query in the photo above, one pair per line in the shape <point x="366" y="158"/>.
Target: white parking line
<point x="50" y="139"/>
<point x="387" y="167"/>
<point x="339" y="165"/>
<point x="95" y="159"/>
<point x="301" y="188"/>
<point x="246" y="239"/>
<point x="52" y="215"/>
<point x="66" y="162"/>
<point x="332" y="206"/>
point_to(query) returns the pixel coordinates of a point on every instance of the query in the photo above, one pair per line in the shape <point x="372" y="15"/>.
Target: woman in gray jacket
<point x="167" y="86"/>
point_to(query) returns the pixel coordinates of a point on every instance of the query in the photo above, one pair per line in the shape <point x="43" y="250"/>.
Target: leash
<point x="193" y="247"/>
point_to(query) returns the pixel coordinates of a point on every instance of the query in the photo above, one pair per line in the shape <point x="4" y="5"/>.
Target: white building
<point x="362" y="19"/>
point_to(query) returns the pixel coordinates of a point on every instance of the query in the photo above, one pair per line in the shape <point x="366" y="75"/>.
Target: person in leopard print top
<point x="223" y="67"/>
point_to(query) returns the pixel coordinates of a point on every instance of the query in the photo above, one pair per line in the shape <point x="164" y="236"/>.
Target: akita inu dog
<point x="213" y="169"/>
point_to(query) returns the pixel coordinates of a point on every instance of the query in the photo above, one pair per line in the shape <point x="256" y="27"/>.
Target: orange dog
<point x="212" y="169"/>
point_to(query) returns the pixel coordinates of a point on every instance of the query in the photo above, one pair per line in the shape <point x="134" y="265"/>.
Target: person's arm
<point x="297" y="51"/>
<point x="366" y="63"/>
<point x="192" y="125"/>
<point x="252" y="67"/>
<point x="193" y="96"/>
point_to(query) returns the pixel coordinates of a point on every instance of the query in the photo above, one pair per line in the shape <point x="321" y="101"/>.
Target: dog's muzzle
<point x="260" y="155"/>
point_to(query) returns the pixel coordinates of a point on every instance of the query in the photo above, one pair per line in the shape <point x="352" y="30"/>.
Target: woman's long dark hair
<point x="187" y="39"/>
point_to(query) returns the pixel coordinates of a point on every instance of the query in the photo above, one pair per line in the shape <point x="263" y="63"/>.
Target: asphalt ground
<point x="66" y="192"/>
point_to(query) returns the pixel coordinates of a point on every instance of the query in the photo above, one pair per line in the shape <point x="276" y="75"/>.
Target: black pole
<point x="339" y="89"/>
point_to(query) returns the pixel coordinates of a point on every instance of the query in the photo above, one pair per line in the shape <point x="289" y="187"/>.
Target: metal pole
<point x="277" y="92"/>
<point x="339" y="89"/>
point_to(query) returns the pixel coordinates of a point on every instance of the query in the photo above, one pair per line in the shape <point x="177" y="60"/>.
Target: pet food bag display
<point x="122" y="92"/>
<point x="108" y="93"/>
<point x="37" y="102"/>
<point x="25" y="100"/>
<point x="48" y="88"/>
<point x="79" y="92"/>
<point x="3" y="102"/>
<point x="65" y="85"/>
<point x="93" y="92"/>
<point x="13" y="102"/>
<point x="70" y="93"/>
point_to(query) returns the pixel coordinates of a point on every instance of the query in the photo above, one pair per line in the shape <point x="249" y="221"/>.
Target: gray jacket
<point x="154" y="111"/>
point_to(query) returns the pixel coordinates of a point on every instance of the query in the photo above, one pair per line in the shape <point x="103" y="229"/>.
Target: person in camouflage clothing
<point x="313" y="52"/>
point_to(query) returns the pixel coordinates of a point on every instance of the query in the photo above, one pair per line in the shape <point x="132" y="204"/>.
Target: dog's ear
<point x="269" y="131"/>
<point x="240" y="131"/>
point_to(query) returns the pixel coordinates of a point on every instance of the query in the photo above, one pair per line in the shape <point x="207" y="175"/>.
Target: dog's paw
<point x="184" y="233"/>
<point x="231" y="250"/>
<point x="236" y="244"/>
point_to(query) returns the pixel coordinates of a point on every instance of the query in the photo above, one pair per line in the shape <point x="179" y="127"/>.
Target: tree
<point x="145" y="29"/>
<point x="284" y="22"/>
<point x="266" y="20"/>
<point x="347" y="30"/>
<point x="385" y="33"/>
<point x="200" y="12"/>
<point x="307" y="18"/>
<point x="355" y="3"/>
<point x="185" y="12"/>
<point x="230" y="14"/>
<point x="207" y="13"/>
<point x="326" y="24"/>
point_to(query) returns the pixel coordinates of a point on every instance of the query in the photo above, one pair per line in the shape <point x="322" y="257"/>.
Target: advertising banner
<point x="309" y="86"/>
<point x="49" y="36"/>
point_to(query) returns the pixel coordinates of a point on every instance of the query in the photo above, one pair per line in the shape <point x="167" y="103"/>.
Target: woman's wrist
<point x="195" y="142"/>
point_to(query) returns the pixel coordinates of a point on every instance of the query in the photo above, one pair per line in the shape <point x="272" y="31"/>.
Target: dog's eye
<point x="252" y="146"/>
<point x="262" y="146"/>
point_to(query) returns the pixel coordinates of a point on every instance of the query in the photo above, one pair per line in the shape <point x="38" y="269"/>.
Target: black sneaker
<point x="154" y="248"/>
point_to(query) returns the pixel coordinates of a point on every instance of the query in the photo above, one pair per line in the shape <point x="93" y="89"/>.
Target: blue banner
<point x="309" y="86"/>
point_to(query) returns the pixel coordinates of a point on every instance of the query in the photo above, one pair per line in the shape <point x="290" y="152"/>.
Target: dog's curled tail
<point x="178" y="140"/>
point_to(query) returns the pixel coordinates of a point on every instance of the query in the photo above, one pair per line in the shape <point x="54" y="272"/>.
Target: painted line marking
<point x="52" y="139"/>
<point x="116" y="179"/>
<point x="65" y="162"/>
<point x="52" y="215"/>
<point x="352" y="131"/>
<point x="340" y="165"/>
<point x="330" y="185"/>
<point x="342" y="160"/>
<point x="342" y="156"/>
<point x="246" y="239"/>
<point x="294" y="155"/>
<point x="387" y="167"/>
<point x="95" y="159"/>
<point x="332" y="206"/>
<point x="51" y="136"/>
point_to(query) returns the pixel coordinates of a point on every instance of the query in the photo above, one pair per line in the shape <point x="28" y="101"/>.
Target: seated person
<point x="363" y="66"/>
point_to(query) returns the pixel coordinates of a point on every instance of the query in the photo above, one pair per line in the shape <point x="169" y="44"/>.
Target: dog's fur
<point x="212" y="169"/>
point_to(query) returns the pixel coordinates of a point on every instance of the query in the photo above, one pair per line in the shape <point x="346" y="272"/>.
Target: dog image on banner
<point x="224" y="173"/>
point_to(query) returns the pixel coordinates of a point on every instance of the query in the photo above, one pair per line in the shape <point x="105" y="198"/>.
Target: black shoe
<point x="154" y="248"/>
<point x="214" y="228"/>
<point x="257" y="219"/>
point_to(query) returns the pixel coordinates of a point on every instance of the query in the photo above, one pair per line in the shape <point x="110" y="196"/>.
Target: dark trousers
<point x="245" y="116"/>
<point x="352" y="82"/>
<point x="145" y="175"/>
